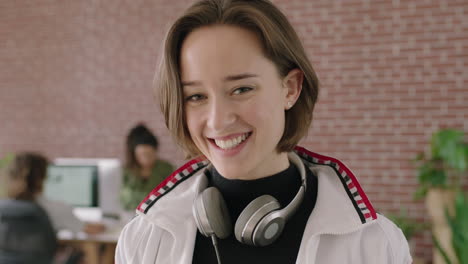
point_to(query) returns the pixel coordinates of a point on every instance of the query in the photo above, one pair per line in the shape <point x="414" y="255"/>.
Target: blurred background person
<point x="143" y="169"/>
<point x="28" y="172"/>
<point x="26" y="175"/>
<point x="26" y="232"/>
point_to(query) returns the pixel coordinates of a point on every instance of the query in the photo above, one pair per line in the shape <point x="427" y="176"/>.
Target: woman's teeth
<point x="230" y="143"/>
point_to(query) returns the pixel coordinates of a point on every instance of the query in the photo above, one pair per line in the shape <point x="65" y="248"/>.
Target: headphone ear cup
<point x="211" y="214"/>
<point x="251" y="216"/>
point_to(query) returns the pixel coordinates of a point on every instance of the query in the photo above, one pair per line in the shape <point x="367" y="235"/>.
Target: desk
<point x="92" y="244"/>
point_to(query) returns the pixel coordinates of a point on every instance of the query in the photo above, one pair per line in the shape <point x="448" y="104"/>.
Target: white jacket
<point x="342" y="228"/>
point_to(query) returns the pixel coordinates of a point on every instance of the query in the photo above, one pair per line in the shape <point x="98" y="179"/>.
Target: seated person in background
<point x="26" y="233"/>
<point x="143" y="169"/>
<point x="26" y="175"/>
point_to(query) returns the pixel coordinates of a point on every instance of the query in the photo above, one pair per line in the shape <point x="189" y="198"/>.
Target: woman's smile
<point x="230" y="142"/>
<point x="230" y="145"/>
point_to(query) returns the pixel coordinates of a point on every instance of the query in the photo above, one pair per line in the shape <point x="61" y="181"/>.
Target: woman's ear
<point x="293" y="84"/>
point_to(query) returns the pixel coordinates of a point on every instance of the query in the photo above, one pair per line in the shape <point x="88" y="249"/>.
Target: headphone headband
<point x="292" y="207"/>
<point x="259" y="224"/>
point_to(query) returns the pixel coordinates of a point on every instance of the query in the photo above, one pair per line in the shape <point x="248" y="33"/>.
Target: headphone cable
<point x="215" y="245"/>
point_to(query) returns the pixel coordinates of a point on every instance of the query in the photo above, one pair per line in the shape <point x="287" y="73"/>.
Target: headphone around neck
<point x="259" y="224"/>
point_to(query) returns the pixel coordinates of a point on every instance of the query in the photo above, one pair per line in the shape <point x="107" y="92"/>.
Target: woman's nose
<point x="221" y="115"/>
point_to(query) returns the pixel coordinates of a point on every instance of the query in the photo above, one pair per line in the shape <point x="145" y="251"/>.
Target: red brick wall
<point x="76" y="75"/>
<point x="392" y="73"/>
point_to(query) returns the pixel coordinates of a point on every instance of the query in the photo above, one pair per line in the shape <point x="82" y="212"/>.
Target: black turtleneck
<point x="237" y="194"/>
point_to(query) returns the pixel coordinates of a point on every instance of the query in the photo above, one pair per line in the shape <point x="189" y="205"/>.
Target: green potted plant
<point x="459" y="227"/>
<point x="440" y="174"/>
<point x="447" y="160"/>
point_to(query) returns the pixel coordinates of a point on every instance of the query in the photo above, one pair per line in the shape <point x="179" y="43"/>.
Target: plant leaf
<point x="441" y="250"/>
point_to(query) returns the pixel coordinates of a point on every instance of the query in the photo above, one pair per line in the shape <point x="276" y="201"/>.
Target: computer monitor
<point x="109" y="180"/>
<point x="76" y="185"/>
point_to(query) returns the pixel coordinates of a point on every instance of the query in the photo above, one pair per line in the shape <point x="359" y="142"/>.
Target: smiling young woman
<point x="235" y="112"/>
<point x="247" y="92"/>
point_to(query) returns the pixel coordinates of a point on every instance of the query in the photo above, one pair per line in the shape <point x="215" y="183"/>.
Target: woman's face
<point x="145" y="155"/>
<point x="235" y="101"/>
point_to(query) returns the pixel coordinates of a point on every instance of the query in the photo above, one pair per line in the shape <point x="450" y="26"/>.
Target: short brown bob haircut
<point x="280" y="43"/>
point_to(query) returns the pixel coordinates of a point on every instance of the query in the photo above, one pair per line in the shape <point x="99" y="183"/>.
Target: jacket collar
<point x="341" y="206"/>
<point x="340" y="198"/>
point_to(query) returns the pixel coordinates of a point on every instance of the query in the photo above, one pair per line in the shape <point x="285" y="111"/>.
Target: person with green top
<point x="143" y="170"/>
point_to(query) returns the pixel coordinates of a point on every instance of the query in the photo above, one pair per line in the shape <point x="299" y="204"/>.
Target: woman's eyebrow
<point x="228" y="78"/>
<point x="190" y="83"/>
<point x="239" y="77"/>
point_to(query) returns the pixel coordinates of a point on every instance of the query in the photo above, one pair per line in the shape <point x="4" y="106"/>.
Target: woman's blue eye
<point x="241" y="90"/>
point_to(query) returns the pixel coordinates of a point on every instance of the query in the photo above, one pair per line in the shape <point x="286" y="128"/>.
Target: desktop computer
<point x="92" y="187"/>
<point x="76" y="185"/>
<point x="86" y="183"/>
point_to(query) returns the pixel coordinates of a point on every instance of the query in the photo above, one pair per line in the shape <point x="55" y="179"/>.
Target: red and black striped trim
<point x="171" y="182"/>
<point x="359" y="199"/>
